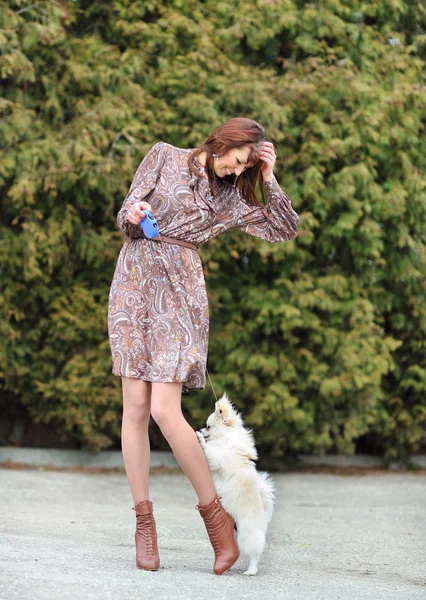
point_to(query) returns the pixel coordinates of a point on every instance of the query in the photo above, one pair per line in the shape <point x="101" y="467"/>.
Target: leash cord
<point x="208" y="374"/>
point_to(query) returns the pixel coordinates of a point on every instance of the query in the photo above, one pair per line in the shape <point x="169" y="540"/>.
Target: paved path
<point x="69" y="535"/>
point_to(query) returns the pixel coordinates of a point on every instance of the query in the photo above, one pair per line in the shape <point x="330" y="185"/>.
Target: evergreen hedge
<point x="320" y="341"/>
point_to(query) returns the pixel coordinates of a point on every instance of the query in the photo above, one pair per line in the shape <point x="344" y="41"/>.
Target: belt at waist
<point x="163" y="238"/>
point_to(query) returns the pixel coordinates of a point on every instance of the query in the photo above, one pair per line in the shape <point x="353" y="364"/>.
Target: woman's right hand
<point x="136" y="214"/>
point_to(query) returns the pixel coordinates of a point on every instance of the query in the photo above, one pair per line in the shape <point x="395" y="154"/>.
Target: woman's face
<point x="234" y="162"/>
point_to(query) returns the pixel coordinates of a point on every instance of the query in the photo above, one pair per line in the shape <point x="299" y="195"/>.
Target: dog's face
<point x="224" y="418"/>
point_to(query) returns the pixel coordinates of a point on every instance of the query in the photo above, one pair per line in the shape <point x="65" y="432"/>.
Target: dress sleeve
<point x="143" y="183"/>
<point x="275" y="222"/>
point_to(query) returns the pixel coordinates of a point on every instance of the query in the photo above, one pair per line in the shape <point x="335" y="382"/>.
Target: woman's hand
<point x="268" y="158"/>
<point x="136" y="214"/>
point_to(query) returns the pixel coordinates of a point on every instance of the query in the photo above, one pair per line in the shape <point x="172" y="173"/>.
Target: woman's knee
<point x="136" y="401"/>
<point x="165" y="418"/>
<point x="136" y="412"/>
<point x="166" y="406"/>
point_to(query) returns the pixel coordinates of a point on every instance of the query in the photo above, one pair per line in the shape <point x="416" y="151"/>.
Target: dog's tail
<point x="267" y="493"/>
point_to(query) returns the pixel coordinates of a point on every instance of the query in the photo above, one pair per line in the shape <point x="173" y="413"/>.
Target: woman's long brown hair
<point x="234" y="133"/>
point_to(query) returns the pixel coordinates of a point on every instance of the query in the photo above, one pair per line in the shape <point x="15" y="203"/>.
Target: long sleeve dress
<point x="158" y="316"/>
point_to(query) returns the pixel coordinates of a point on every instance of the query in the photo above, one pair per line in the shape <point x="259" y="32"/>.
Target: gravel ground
<point x="68" y="535"/>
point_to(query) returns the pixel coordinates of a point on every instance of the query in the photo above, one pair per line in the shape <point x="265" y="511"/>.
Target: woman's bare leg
<point x="167" y="413"/>
<point x="134" y="435"/>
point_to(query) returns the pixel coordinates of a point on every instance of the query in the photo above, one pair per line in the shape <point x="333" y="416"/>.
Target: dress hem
<point x="185" y="389"/>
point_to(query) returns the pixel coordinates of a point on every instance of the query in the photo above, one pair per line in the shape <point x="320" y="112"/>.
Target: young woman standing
<point x="158" y="317"/>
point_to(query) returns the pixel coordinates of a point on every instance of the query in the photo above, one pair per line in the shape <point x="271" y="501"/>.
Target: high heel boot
<point x="146" y="537"/>
<point x="220" y="529"/>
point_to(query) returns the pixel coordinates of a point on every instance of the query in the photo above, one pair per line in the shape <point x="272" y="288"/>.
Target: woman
<point x="158" y="316"/>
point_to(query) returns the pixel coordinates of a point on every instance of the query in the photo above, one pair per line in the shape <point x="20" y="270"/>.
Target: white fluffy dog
<point x="247" y="495"/>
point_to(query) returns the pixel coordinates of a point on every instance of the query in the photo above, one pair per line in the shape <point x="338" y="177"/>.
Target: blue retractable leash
<point x="149" y="225"/>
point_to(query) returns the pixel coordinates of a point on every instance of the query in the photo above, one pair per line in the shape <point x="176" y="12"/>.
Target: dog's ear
<point x="219" y="411"/>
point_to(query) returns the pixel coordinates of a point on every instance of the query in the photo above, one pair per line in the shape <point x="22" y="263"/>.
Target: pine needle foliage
<point x="320" y="341"/>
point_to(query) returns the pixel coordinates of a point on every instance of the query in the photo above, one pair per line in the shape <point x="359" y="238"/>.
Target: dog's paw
<point x="201" y="438"/>
<point x="252" y="568"/>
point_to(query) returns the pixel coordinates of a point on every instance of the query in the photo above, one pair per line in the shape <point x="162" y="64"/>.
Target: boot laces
<point x="215" y="525"/>
<point x="145" y="526"/>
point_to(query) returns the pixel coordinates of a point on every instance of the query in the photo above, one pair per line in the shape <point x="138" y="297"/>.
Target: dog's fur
<point x="247" y="495"/>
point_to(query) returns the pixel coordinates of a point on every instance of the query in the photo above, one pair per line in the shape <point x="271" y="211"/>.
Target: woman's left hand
<point x="268" y="158"/>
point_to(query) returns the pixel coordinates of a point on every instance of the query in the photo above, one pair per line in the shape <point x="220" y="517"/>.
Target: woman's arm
<point x="275" y="222"/>
<point x="143" y="183"/>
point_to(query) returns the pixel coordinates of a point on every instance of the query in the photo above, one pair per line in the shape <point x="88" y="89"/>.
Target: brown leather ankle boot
<point x="220" y="528"/>
<point x="146" y="537"/>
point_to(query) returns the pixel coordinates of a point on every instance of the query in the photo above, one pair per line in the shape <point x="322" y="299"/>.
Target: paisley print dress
<point x="158" y="316"/>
